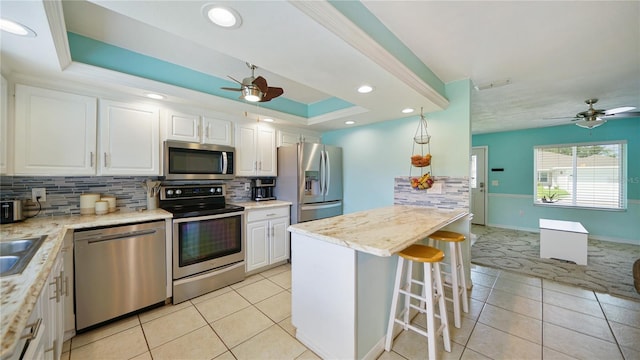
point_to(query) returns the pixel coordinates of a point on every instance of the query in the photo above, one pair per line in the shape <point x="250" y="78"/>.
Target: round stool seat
<point x="422" y="253"/>
<point x="451" y="236"/>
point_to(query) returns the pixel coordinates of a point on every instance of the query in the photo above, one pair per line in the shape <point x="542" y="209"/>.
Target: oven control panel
<point x="188" y="192"/>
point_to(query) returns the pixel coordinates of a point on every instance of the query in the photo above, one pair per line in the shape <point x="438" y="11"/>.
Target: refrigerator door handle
<point x="316" y="207"/>
<point x="322" y="169"/>
<point x="327" y="168"/>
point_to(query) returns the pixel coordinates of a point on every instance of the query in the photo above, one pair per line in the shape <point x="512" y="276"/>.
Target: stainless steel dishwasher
<point x="118" y="270"/>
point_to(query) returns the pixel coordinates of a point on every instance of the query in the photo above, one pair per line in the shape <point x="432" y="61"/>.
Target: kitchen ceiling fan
<point x="592" y="118"/>
<point x="255" y="89"/>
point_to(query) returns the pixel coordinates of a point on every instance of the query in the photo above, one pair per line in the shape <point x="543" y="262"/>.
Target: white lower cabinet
<point x="43" y="336"/>
<point x="267" y="237"/>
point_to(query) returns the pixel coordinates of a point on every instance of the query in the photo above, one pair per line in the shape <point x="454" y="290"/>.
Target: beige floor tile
<point x="618" y="301"/>
<point x="221" y="306"/>
<point x="518" y="288"/>
<point x="288" y="326"/>
<point x="469" y="354"/>
<point x="66" y="355"/>
<point x="630" y="353"/>
<point x="578" y="345"/>
<point x="249" y="280"/>
<point x="259" y="290"/>
<point x="576" y="303"/>
<point x="529" y="280"/>
<point x="283" y="279"/>
<point x="497" y="344"/>
<point x="211" y="295"/>
<point x="475" y="308"/>
<point x="277" y="307"/>
<point x="479" y="292"/>
<point x="144" y="356"/>
<point x="513" y="323"/>
<point x="104" y="331"/>
<point x="122" y="345"/>
<point x="162" y="311"/>
<point x="241" y="325"/>
<point x="622" y="315"/>
<point x="172" y="326"/>
<point x="567" y="289"/>
<point x="412" y="345"/>
<point x="310" y="355"/>
<point x="272" y="343"/>
<point x="626" y="336"/>
<point x="226" y="356"/>
<point x="515" y="303"/>
<point x="586" y="324"/>
<point x="276" y="270"/>
<point x="66" y="346"/>
<point x="483" y="279"/>
<point x="485" y="270"/>
<point x="202" y="343"/>
<point x="550" y="354"/>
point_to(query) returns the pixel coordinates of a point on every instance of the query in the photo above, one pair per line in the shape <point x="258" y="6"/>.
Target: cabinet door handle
<point x="66" y="286"/>
<point x="33" y="333"/>
<point x="207" y="131"/>
<point x="105" y="160"/>
<point x="91" y="158"/>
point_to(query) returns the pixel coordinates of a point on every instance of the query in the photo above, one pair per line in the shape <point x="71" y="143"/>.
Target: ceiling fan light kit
<point x="590" y="124"/>
<point x="255" y="89"/>
<point x="592" y="118"/>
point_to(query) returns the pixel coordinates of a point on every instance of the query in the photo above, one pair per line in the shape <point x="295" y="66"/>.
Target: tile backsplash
<point x="63" y="193"/>
<point x="454" y="194"/>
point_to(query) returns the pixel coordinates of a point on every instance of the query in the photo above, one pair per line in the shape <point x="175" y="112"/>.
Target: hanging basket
<point x="421" y="158"/>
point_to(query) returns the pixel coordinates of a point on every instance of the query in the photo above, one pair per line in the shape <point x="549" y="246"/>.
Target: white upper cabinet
<point x="129" y="139"/>
<point x="55" y="132"/>
<point x="198" y="128"/>
<point x="4" y="121"/>
<point x="256" y="151"/>
<point x="288" y="137"/>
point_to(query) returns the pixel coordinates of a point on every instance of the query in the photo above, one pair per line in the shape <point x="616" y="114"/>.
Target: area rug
<point x="608" y="270"/>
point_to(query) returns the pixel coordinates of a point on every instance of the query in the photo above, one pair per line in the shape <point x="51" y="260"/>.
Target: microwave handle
<point x="224" y="162"/>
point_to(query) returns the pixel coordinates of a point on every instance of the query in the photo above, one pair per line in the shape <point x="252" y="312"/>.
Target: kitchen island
<point x="343" y="270"/>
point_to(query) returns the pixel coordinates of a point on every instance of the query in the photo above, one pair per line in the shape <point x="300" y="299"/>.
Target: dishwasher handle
<point x="124" y="235"/>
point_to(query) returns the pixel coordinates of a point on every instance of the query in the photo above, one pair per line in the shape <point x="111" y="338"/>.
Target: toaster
<point x="10" y="211"/>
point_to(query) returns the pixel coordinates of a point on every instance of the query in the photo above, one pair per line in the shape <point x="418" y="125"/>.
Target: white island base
<point x="342" y="283"/>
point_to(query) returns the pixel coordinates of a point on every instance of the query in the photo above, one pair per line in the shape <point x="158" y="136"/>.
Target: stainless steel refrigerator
<point x="310" y="177"/>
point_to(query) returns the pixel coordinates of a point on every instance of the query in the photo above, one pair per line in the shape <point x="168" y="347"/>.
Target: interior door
<point x="478" y="184"/>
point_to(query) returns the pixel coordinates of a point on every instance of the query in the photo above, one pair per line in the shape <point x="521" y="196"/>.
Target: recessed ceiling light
<point x="16" y="28"/>
<point x="222" y="16"/>
<point x="267" y="119"/>
<point x="349" y="122"/>
<point x="407" y="110"/>
<point x="365" y="89"/>
<point x="155" y="96"/>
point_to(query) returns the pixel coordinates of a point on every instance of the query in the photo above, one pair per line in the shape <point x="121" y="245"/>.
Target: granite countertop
<point x="19" y="293"/>
<point x="252" y="205"/>
<point x="381" y="232"/>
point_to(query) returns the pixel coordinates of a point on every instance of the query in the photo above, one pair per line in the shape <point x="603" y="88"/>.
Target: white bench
<point x="566" y="240"/>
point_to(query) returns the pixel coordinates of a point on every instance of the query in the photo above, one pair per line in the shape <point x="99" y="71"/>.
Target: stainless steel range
<point x="208" y="239"/>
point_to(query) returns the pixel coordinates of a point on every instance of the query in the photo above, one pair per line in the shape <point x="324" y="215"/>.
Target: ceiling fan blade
<point x="621" y="115"/>
<point x="261" y="83"/>
<point x="272" y="92"/>
<point x="232" y="89"/>
<point x="559" y="118"/>
<point x="230" y="77"/>
<point x="619" y="110"/>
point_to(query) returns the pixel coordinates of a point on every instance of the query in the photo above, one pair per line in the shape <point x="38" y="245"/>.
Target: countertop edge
<point x="36" y="273"/>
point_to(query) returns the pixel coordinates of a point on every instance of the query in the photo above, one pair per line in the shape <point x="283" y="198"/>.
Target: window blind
<point x="582" y="175"/>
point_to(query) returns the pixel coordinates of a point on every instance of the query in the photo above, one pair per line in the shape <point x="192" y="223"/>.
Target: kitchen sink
<point x="15" y="254"/>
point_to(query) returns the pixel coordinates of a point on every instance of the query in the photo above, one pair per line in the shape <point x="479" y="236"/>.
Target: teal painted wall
<point x="510" y="204"/>
<point x="374" y="155"/>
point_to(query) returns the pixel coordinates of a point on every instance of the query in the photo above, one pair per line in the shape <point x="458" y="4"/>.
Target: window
<point x="582" y="175"/>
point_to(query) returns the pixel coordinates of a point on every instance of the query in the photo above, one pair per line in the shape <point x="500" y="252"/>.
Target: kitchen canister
<point x="111" y="200"/>
<point x="88" y="203"/>
<point x="101" y="207"/>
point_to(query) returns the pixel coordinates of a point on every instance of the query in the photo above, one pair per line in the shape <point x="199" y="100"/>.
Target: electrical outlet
<point x="247" y="187"/>
<point x="38" y="192"/>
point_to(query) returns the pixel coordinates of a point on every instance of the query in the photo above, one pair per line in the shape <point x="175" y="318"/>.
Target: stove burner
<point x="195" y="200"/>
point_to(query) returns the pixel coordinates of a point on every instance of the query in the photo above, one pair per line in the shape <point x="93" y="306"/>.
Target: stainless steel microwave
<point x="193" y="161"/>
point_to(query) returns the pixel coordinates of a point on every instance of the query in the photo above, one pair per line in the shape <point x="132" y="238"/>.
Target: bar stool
<point x="430" y="257"/>
<point x="456" y="271"/>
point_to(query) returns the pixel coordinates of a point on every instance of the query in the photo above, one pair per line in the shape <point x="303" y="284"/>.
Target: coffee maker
<point x="262" y="189"/>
